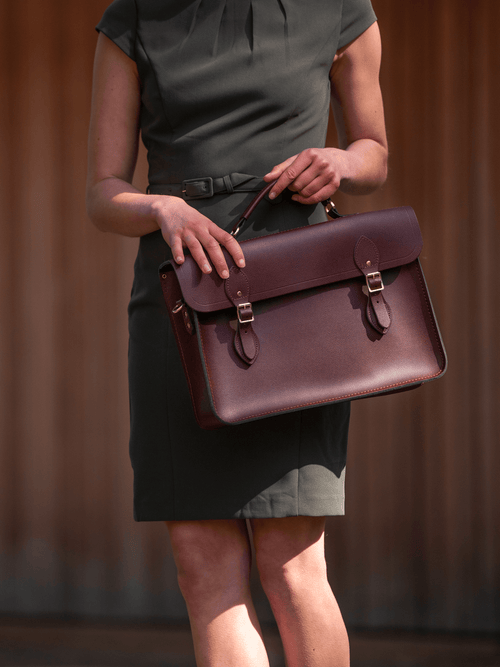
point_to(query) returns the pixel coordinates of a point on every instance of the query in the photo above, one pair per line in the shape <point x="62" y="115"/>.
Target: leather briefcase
<point x="329" y="312"/>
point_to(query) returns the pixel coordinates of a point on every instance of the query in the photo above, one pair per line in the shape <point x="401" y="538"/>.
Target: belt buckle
<point x="198" y="188"/>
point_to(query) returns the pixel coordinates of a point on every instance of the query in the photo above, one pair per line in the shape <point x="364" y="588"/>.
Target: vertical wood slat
<point x="8" y="459"/>
<point x="419" y="546"/>
<point x="33" y="215"/>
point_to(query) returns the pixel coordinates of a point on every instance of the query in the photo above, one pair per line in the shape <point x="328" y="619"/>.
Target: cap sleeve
<point x="357" y="16"/>
<point x="119" y="23"/>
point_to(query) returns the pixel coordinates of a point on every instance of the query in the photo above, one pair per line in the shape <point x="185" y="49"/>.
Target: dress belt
<point x="202" y="188"/>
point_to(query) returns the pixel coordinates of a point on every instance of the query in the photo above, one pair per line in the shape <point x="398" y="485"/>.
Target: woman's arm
<point x="359" y="166"/>
<point x="113" y="204"/>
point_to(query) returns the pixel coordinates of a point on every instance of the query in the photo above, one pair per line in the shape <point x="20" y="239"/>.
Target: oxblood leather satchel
<point x="329" y="312"/>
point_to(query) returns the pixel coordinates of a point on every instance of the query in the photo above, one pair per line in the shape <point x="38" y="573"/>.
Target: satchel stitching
<point x="313" y="403"/>
<point x="303" y="405"/>
<point x="357" y="258"/>
<point x="228" y="286"/>
<point x="346" y="396"/>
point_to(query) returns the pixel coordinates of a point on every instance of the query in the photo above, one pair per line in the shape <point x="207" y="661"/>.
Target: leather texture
<point x="340" y="310"/>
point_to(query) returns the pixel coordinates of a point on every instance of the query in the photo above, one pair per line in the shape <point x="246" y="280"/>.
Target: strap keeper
<point x="228" y="183"/>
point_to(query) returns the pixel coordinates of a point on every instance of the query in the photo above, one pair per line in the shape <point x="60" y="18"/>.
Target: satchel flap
<point x="310" y="256"/>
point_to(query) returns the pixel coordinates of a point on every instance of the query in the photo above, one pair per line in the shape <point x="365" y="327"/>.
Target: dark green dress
<point x="227" y="86"/>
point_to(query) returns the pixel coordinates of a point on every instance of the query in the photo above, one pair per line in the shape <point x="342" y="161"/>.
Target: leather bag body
<point x="330" y="312"/>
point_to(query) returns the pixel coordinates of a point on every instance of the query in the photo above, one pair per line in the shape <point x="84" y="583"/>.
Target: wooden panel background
<point x="419" y="547"/>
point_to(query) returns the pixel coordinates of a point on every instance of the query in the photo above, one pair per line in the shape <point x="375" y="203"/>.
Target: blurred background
<point x="419" y="548"/>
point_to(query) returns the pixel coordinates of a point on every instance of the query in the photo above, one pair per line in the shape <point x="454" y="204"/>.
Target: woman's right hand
<point x="183" y="226"/>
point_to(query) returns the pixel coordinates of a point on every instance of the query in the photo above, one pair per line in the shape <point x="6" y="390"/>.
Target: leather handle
<point x="328" y="204"/>
<point x="251" y="207"/>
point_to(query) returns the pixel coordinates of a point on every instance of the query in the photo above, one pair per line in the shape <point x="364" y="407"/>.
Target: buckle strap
<point x="245" y="341"/>
<point x="367" y="259"/>
<point x="206" y="186"/>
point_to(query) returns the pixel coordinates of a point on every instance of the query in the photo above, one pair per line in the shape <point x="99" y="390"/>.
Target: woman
<point x="222" y="91"/>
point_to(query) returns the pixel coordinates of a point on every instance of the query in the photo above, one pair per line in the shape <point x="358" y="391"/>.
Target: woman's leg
<point x="291" y="560"/>
<point x="213" y="563"/>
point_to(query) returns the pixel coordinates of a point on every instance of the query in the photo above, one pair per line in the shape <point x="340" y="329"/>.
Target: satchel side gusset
<point x="188" y="345"/>
<point x="441" y="356"/>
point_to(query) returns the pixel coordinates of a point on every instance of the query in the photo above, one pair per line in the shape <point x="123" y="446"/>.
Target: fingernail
<point x="225" y="274"/>
<point x="241" y="262"/>
<point x="178" y="259"/>
<point x="207" y="268"/>
<point x="272" y="195"/>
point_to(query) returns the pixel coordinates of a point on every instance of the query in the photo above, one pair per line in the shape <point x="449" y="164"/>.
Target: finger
<point x="277" y="170"/>
<point x="197" y="252"/>
<point x="290" y="173"/>
<point x="311" y="180"/>
<point x="221" y="237"/>
<point x="320" y="195"/>
<point x="231" y="245"/>
<point x="177" y="250"/>
<point x="212" y="247"/>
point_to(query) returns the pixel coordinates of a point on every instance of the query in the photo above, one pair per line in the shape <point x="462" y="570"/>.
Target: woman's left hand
<point x="359" y="165"/>
<point x="313" y="175"/>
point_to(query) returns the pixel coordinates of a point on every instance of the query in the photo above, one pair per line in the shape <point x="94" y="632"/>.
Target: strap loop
<point x="228" y="183"/>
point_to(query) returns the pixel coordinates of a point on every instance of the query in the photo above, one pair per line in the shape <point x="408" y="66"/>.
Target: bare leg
<point x="291" y="560"/>
<point x="213" y="563"/>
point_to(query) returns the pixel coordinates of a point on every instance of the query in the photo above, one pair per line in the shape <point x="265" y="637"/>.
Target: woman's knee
<point x="290" y="554"/>
<point x="212" y="557"/>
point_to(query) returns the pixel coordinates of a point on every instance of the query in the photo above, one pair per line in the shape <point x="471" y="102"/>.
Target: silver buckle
<point x="238" y="310"/>
<point x="375" y="275"/>
<point x="198" y="188"/>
